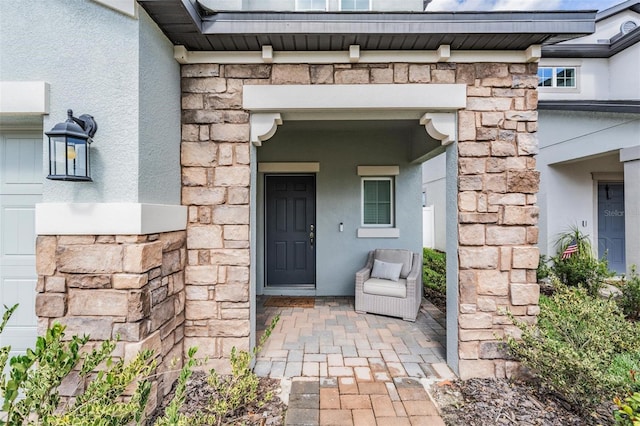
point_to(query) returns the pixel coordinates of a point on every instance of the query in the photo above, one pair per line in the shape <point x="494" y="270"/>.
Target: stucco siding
<point x="625" y="83"/>
<point x="339" y="152"/>
<point x="159" y="137"/>
<point x="434" y="185"/>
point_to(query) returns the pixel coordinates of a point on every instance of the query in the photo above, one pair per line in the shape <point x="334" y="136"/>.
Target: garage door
<point x="20" y="189"/>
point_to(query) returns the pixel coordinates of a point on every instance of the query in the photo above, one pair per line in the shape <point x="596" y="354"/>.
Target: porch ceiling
<point x="186" y="23"/>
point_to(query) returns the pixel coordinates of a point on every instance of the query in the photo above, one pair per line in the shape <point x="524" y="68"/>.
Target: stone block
<point x="468" y="350"/>
<point x="494" y="350"/>
<point x="419" y="73"/>
<point x="473" y="149"/>
<point x="190" y="132"/>
<point x="503" y="149"/>
<point x="513" y="199"/>
<point x="142" y="257"/>
<point x="525" y="181"/>
<point x="192" y="101"/>
<point x="232" y="176"/>
<point x="505" y="259"/>
<point x="238" y="195"/>
<point x="527" y="144"/>
<point x="236" y="232"/>
<point x="130" y="331"/>
<point x="505" y="235"/>
<point x="522" y="115"/>
<point x="243" y="155"/>
<point x="478" y="335"/>
<point x="352" y="76"/>
<point x="290" y="74"/>
<point x="96" y="328"/>
<point x="496" y="183"/>
<point x="471" y="166"/>
<point x="321" y="74"/>
<point x="400" y="73"/>
<point x="201" y="275"/>
<point x="55" y="284"/>
<point x="470" y="183"/>
<point x="468" y="308"/>
<point x="237" y="274"/>
<point x="197" y="292"/>
<point x="494" y="82"/>
<point x="525" y="257"/>
<point x="204" y="85"/>
<point x="467" y="201"/>
<point x="465" y="74"/>
<point x="520" y="215"/>
<point x="480" y="91"/>
<point x="485" y="70"/>
<point x="532" y="235"/>
<point x="240" y="313"/>
<point x="200" y="70"/>
<point x="471" y="235"/>
<point x="443" y="76"/>
<point x="489" y="104"/>
<point x="194" y="176"/>
<point x="247" y="71"/>
<point x="139" y="305"/>
<point x="46" y="255"/>
<point x="381" y="75"/>
<point x="478" y="257"/>
<point x="129" y="281"/>
<point x="478" y="217"/>
<point x="203" y="196"/>
<point x="231" y="215"/>
<point x="232" y="293"/>
<point x="468" y="287"/>
<point x="171" y="262"/>
<point x="492" y="119"/>
<point x="486" y="133"/>
<point x="486" y="304"/>
<point x="233" y="257"/>
<point x="228" y="132"/>
<point x="90" y="259"/>
<point x="227" y="344"/>
<point x="98" y="303"/>
<point x="51" y="305"/>
<point x="507" y="93"/>
<point x="229" y="328"/>
<point x="227" y="100"/>
<point x="492" y="283"/>
<point x="204" y="237"/>
<point x="162" y="313"/>
<point x="477" y="320"/>
<point x="225" y="154"/>
<point x="153" y="342"/>
<point x="201" y="310"/>
<point x="65" y="240"/>
<point x="525" y="294"/>
<point x="525" y="81"/>
<point x="89" y="281"/>
<point x="466" y="126"/>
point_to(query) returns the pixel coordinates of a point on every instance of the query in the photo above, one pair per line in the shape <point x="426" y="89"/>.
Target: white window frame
<point x="392" y="201"/>
<point x="554" y="75"/>
<point x="301" y="9"/>
<point x="355" y="10"/>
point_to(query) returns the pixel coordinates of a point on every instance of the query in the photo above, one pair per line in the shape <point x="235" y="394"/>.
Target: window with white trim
<point x="377" y="202"/>
<point x="348" y="5"/>
<point x="304" y="5"/>
<point x="558" y="77"/>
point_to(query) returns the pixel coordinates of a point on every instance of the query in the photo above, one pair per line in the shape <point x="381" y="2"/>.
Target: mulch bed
<point x="499" y="402"/>
<point x="438" y="299"/>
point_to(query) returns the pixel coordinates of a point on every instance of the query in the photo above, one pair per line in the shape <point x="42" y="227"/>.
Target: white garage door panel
<point x="20" y="189"/>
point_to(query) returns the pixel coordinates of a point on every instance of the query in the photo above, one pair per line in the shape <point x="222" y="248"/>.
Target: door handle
<point x="312" y="236"/>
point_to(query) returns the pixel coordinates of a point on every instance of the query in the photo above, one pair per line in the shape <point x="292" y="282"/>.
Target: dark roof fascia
<point x="567" y="23"/>
<point x="591" y="105"/>
<point x="570" y="50"/>
<point x="633" y="5"/>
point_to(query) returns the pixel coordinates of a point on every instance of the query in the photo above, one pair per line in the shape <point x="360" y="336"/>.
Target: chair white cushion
<point x="382" y="287"/>
<point x="386" y="270"/>
<point x="396" y="256"/>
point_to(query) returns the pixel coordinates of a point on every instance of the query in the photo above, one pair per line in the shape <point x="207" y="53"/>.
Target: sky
<point x="482" y="5"/>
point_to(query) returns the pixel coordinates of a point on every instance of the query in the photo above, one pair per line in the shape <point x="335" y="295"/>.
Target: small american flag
<point x="571" y="248"/>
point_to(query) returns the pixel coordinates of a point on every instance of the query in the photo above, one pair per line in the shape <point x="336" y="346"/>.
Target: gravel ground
<point x="488" y="402"/>
<point x="199" y="393"/>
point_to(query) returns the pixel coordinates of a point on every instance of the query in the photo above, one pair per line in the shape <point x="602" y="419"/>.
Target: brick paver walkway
<point x="354" y="369"/>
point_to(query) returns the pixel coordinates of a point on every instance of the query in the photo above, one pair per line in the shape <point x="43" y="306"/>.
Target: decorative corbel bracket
<point x="264" y="126"/>
<point x="440" y="126"/>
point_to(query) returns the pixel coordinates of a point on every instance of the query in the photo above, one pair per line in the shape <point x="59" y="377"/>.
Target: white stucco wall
<point x="90" y="56"/>
<point x="434" y="185"/>
<point x="607" y="28"/>
<point x="624" y="70"/>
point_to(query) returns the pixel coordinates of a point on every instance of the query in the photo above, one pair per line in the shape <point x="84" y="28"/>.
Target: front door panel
<point x="290" y="230"/>
<point x="611" y="225"/>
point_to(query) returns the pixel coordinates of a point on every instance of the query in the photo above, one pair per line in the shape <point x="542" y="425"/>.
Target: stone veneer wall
<point x="497" y="185"/>
<point x="131" y="286"/>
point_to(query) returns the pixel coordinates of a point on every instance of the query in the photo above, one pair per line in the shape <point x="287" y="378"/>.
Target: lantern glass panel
<point x="57" y="157"/>
<point x="76" y="157"/>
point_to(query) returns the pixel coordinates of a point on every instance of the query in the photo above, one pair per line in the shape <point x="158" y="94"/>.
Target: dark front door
<point x="611" y="225"/>
<point x="290" y="223"/>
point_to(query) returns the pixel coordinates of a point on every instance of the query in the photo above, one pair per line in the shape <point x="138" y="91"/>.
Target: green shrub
<point x="630" y="300"/>
<point x="582" y="268"/>
<point x="434" y="270"/>
<point x="628" y="411"/>
<point x="573" y="347"/>
<point x="544" y="269"/>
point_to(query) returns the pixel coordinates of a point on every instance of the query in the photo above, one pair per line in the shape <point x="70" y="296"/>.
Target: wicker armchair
<point x="400" y="298"/>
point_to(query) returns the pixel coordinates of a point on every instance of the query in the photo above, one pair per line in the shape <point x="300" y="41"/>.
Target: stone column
<point x="631" y="159"/>
<point x="497" y="214"/>
<point x="129" y="287"/>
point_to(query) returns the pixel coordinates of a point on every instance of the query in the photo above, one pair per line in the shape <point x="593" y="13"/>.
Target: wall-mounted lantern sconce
<point x="69" y="148"/>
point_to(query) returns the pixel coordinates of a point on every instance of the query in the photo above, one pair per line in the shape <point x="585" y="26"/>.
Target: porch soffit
<point x="434" y="106"/>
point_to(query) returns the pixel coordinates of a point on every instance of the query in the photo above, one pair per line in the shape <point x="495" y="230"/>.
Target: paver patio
<point x="347" y="368"/>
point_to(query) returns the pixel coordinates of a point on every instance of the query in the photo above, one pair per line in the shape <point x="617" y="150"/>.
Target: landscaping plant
<point x="628" y="411"/>
<point x="580" y="268"/>
<point x="630" y="300"/>
<point x="434" y="270"/>
<point x="581" y="346"/>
